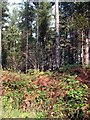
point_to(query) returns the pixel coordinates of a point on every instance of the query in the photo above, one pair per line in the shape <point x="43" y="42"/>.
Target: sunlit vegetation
<point x="44" y="94"/>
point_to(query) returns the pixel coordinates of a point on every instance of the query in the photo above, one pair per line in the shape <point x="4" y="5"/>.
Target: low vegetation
<point x="45" y="95"/>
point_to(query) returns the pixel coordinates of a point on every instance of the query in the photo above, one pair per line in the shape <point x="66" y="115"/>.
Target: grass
<point x="18" y="114"/>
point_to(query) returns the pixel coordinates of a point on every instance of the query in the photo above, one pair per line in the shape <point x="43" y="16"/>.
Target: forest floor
<point x="64" y="95"/>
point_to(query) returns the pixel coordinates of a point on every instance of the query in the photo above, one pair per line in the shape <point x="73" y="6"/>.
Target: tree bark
<point x="82" y="48"/>
<point x="37" y="36"/>
<point x="0" y="50"/>
<point x="57" y="34"/>
<point x="87" y="52"/>
<point x="27" y="35"/>
<point x="0" y="37"/>
<point x="27" y="51"/>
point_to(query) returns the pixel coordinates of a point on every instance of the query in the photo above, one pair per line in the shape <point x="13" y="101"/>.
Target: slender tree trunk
<point x="37" y="37"/>
<point x="82" y="48"/>
<point x="87" y="52"/>
<point x="0" y="50"/>
<point x="37" y="54"/>
<point x="0" y="37"/>
<point x="57" y="34"/>
<point x="63" y="54"/>
<point x="27" y="35"/>
<point x="14" y="57"/>
<point x="27" y="51"/>
<point x="43" y="52"/>
<point x="0" y="61"/>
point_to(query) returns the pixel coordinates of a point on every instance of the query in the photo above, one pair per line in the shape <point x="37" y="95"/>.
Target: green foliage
<point x="38" y="73"/>
<point x="67" y="67"/>
<point x="12" y="46"/>
<point x="80" y="22"/>
<point x="49" y="95"/>
<point x="4" y="11"/>
<point x="36" y="22"/>
<point x="73" y="102"/>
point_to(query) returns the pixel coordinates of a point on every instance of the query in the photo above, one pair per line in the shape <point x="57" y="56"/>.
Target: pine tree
<point x="25" y="25"/>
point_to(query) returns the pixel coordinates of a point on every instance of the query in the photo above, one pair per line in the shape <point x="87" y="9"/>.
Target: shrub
<point x="48" y="94"/>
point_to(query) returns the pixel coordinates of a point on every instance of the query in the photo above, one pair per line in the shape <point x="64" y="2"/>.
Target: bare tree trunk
<point x="57" y="34"/>
<point x="37" y="37"/>
<point x="87" y="52"/>
<point x="27" y="35"/>
<point x="0" y="37"/>
<point x="82" y="48"/>
<point x="0" y="50"/>
<point x="27" y="51"/>
<point x="14" y="57"/>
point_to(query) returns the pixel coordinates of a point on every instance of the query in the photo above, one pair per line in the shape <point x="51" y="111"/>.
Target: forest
<point x="45" y="59"/>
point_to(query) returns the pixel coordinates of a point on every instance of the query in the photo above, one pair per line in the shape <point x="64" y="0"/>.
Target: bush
<point x="60" y="96"/>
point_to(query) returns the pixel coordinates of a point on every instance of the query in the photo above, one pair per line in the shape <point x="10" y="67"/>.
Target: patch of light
<point x="14" y="1"/>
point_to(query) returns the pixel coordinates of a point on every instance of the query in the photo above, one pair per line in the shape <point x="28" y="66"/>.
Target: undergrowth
<point x="44" y="95"/>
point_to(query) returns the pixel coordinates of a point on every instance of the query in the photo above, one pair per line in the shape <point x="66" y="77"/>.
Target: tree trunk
<point x="57" y="34"/>
<point x="27" y="35"/>
<point x="43" y="52"/>
<point x="0" y="37"/>
<point x="87" y="52"/>
<point x="27" y="51"/>
<point x="37" y="38"/>
<point x="82" y="48"/>
<point x="37" y="53"/>
<point x="14" y="57"/>
<point x="0" y="50"/>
